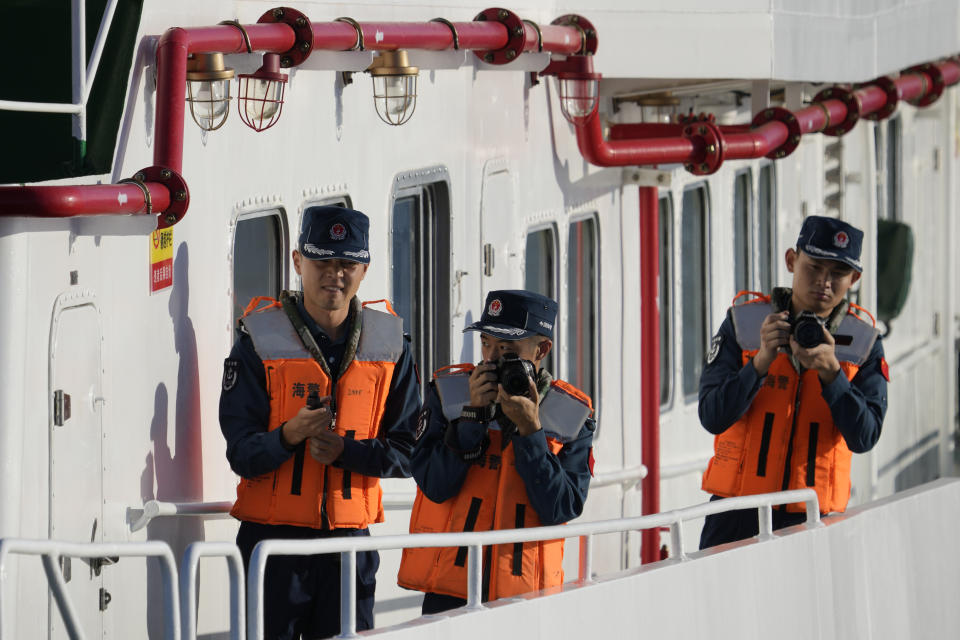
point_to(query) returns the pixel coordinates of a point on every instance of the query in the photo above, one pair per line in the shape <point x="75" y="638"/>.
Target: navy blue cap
<point x="514" y="315"/>
<point x="831" y="239"/>
<point x="330" y="232"/>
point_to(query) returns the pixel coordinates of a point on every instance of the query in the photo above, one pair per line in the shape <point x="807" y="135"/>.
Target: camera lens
<point x="808" y="331"/>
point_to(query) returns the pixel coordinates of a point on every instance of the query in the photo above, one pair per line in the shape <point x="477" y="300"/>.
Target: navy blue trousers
<point x="302" y="593"/>
<point x="741" y="524"/>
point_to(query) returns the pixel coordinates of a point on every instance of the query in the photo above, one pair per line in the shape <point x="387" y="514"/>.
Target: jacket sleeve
<point x="388" y="455"/>
<point x="556" y="484"/>
<point x="727" y="386"/>
<point x="438" y="470"/>
<point x="252" y="450"/>
<point x="858" y="406"/>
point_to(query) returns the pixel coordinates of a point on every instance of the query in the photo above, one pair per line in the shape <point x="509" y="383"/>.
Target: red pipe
<point x="80" y="200"/>
<point x="177" y="43"/>
<point x="650" y="365"/>
<point x="656" y="144"/>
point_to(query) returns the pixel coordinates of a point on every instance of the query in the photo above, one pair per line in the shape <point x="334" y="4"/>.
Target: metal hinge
<point x="61" y="407"/>
<point x="488" y="259"/>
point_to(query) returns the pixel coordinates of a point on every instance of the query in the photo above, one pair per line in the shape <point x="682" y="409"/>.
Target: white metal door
<point x="76" y="489"/>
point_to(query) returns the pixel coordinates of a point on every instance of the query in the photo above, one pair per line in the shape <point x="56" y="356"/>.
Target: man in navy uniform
<point x="320" y="399"/>
<point x="499" y="446"/>
<point x="793" y="384"/>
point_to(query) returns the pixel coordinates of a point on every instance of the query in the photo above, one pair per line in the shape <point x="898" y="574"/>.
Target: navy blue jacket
<point x="245" y="413"/>
<point x="728" y="387"/>
<point x="556" y="484"/>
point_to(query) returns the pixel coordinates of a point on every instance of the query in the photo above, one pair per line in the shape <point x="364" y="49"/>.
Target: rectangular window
<point x="583" y="306"/>
<point x="766" y="235"/>
<point x="695" y="286"/>
<point x="666" y="299"/>
<point x="540" y="275"/>
<point x="259" y="257"/>
<point x="421" y="270"/>
<point x="742" y="231"/>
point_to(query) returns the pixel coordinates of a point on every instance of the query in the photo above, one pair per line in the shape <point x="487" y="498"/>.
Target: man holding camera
<point x="499" y="446"/>
<point x="793" y="384"/>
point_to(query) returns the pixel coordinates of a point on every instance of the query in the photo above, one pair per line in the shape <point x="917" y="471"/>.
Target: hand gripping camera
<point x="515" y="373"/>
<point x="807" y="329"/>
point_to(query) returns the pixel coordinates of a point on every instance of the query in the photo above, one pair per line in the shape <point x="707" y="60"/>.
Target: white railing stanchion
<point x="68" y="613"/>
<point x="255" y="578"/>
<point x="676" y="538"/>
<point x="188" y="586"/>
<point x="348" y="594"/>
<point x="765" y="521"/>
<point x="813" y="513"/>
<point x="474" y="576"/>
<point x="586" y="559"/>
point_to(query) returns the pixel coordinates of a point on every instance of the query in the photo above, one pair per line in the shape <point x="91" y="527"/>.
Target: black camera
<point x="807" y="329"/>
<point x="515" y="373"/>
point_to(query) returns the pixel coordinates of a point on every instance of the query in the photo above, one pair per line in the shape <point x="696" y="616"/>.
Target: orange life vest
<point x="493" y="496"/>
<point x="787" y="438"/>
<point x="302" y="491"/>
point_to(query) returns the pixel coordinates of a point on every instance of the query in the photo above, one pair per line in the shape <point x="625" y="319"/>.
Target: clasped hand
<point x="314" y="424"/>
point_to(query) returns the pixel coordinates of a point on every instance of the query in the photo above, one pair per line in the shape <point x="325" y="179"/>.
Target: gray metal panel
<point x="381" y="339"/>
<point x="863" y="336"/>
<point x="747" y="319"/>
<point x="454" y="392"/>
<point x="562" y="415"/>
<point x="273" y="336"/>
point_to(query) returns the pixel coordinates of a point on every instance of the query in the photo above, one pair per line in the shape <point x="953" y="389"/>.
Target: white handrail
<point x="188" y="586"/>
<point x="155" y="509"/>
<point x="629" y="476"/>
<point x="52" y="550"/>
<point x="474" y="541"/>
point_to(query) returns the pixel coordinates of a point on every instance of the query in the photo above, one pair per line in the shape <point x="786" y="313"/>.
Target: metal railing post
<point x="676" y="539"/>
<point x="586" y="559"/>
<point x="765" y="521"/>
<point x="348" y="594"/>
<point x="188" y="586"/>
<point x="62" y="598"/>
<point x="474" y="576"/>
<point x="255" y="576"/>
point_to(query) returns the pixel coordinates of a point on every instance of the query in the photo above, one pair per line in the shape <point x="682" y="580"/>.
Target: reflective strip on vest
<point x="748" y="318"/>
<point x="562" y="413"/>
<point x="303" y="492"/>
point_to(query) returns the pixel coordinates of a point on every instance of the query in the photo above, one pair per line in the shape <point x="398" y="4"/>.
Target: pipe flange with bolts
<point x="709" y="137"/>
<point x="179" y="194"/>
<point x="850" y="100"/>
<point x="786" y="117"/>
<point x="889" y="87"/>
<point x="302" y="31"/>
<point x="933" y="84"/>
<point x="516" y="36"/>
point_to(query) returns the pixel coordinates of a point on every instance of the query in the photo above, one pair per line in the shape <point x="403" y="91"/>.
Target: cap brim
<point x="820" y="254"/>
<point x="311" y="252"/>
<point x="500" y="331"/>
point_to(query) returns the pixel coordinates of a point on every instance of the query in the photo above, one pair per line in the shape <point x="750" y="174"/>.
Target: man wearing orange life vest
<point x="793" y="384"/>
<point x="499" y="446"/>
<point x="320" y="399"/>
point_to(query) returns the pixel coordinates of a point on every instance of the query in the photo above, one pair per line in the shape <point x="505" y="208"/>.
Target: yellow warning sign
<point x="161" y="259"/>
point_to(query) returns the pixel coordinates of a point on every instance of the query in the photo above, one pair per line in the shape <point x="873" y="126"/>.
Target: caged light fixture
<point x="260" y="96"/>
<point x="394" y="86"/>
<point x="208" y="90"/>
<point x="578" y="95"/>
